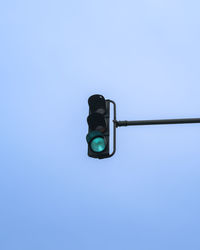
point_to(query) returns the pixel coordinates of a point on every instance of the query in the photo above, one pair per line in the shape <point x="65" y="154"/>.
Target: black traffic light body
<point x="98" y="127"/>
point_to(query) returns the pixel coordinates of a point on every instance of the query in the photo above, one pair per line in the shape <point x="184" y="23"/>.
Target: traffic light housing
<point x="98" y="137"/>
<point x="98" y="127"/>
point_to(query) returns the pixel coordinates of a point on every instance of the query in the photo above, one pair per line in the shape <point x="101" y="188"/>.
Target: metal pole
<point x="114" y="128"/>
<point x="156" y="122"/>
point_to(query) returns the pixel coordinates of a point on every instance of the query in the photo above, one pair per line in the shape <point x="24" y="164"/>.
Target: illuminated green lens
<point x="98" y="144"/>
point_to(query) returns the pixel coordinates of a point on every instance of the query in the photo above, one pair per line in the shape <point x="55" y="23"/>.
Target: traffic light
<point x="98" y="136"/>
<point x="99" y="126"/>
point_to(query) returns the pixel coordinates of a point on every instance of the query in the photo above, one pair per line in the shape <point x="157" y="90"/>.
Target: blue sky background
<point x="54" y="55"/>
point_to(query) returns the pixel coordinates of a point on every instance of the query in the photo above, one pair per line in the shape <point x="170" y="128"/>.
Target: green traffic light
<point x="98" y="127"/>
<point x="98" y="144"/>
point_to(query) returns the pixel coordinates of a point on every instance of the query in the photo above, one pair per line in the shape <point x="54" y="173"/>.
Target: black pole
<point x="156" y="122"/>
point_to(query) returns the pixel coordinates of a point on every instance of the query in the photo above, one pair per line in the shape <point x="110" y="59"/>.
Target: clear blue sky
<point x="54" y="55"/>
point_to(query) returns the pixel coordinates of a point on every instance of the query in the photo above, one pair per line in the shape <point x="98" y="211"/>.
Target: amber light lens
<point x="96" y="122"/>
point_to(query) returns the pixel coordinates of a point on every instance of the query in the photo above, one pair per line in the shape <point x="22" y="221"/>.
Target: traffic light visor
<point x="97" y="104"/>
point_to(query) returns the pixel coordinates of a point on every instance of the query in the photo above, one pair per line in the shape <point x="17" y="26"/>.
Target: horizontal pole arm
<point x="156" y="122"/>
